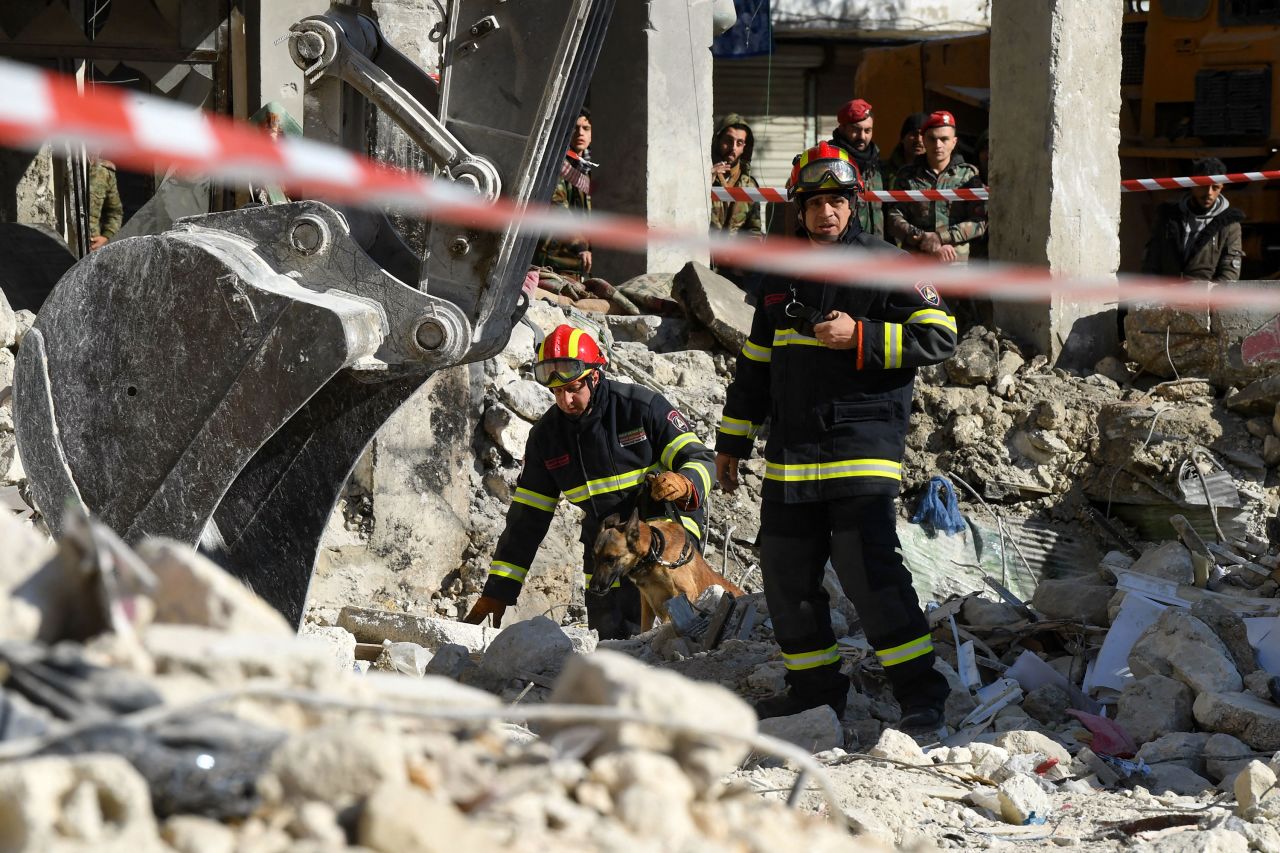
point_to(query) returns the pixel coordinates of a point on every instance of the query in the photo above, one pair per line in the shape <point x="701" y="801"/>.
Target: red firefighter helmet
<point x="566" y="355"/>
<point x="823" y="168"/>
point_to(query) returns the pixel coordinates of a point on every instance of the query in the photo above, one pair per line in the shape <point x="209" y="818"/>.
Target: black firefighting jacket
<point x="838" y="418"/>
<point x="598" y="462"/>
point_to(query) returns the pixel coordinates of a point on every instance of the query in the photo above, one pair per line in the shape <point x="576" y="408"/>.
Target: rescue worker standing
<point x="598" y="447"/>
<point x="832" y="368"/>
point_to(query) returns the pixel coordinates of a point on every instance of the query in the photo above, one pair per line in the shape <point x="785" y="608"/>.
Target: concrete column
<point x="651" y="111"/>
<point x="1055" y="166"/>
<point x="279" y="79"/>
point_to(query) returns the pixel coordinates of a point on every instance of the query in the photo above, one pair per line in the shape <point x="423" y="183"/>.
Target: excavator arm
<point x="217" y="383"/>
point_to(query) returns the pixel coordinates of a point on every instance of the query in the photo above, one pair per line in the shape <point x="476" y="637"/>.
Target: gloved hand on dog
<point x="486" y="605"/>
<point x="670" y="486"/>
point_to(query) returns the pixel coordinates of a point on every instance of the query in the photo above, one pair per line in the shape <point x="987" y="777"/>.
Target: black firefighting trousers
<point x="858" y="535"/>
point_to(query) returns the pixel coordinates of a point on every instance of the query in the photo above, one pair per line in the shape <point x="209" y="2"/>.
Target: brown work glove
<point x="670" y="486"/>
<point x="486" y="605"/>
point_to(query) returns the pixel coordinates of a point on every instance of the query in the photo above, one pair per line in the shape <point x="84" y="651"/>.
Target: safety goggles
<point x="827" y="174"/>
<point x="553" y="372"/>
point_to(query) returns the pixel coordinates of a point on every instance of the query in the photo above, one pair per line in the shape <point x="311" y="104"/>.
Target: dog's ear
<point x="611" y="521"/>
<point x="633" y="528"/>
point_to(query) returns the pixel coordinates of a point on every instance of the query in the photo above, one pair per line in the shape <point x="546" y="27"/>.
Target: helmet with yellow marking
<point x="824" y="168"/>
<point x="566" y="355"/>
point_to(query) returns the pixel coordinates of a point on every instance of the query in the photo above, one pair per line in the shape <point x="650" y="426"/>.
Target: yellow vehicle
<point x="1198" y="79"/>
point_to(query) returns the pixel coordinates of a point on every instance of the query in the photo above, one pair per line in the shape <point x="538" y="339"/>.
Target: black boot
<point x="922" y="692"/>
<point x="807" y="688"/>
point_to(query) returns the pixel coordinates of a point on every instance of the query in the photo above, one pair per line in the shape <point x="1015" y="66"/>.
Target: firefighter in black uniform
<point x="832" y="368"/>
<point x="604" y="446"/>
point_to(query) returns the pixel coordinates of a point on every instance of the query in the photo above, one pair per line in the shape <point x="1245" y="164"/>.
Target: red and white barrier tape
<point x="1133" y="185"/>
<point x="144" y="133"/>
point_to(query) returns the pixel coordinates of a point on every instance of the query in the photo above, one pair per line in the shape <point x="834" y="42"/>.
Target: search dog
<point x="659" y="557"/>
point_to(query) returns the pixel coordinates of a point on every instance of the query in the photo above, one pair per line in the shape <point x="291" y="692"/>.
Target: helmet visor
<point x="827" y="174"/>
<point x="554" y="372"/>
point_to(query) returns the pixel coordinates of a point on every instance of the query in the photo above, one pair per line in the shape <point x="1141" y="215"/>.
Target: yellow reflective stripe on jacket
<point x="546" y="503"/>
<point x="508" y="570"/>
<point x="689" y="524"/>
<point x="906" y="651"/>
<point x="604" y="485"/>
<point x="668" y="454"/>
<point x="703" y="474"/>
<point x="811" y="660"/>
<point x="935" y="316"/>
<point x="587" y="576"/>
<point x="792" y="338"/>
<point x="893" y="345"/>
<point x="737" y="426"/>
<point x="886" y="468"/>
<point x="756" y="352"/>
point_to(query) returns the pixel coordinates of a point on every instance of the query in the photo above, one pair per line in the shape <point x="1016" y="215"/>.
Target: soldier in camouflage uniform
<point x="855" y="124"/>
<point x="939" y="228"/>
<point x="731" y="149"/>
<point x="106" y="213"/>
<point x="910" y="146"/>
<point x="572" y="191"/>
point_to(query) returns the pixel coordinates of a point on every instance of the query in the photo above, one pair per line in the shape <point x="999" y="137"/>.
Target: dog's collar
<point x="658" y="544"/>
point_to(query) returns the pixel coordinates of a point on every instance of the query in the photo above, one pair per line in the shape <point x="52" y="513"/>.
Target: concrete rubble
<point x="1107" y="664"/>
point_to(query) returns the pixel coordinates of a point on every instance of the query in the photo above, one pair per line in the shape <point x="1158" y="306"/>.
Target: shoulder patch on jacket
<point x="557" y="462"/>
<point x="928" y="292"/>
<point x="678" y="421"/>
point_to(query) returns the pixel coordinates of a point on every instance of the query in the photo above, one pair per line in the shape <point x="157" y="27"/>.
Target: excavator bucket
<point x="217" y="383"/>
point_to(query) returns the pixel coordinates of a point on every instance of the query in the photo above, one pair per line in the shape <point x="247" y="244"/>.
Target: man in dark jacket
<point x="1197" y="237"/>
<point x="855" y="127"/>
<point x="604" y="446"/>
<point x="573" y="192"/>
<point x="910" y="146"/>
<point x="832" y="368"/>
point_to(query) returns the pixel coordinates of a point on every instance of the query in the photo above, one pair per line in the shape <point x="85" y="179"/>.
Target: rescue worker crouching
<point x="832" y="368"/>
<point x="598" y="446"/>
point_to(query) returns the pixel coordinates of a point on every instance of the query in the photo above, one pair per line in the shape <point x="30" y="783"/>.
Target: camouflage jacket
<point x="956" y="222"/>
<point x="572" y="192"/>
<point x="735" y="216"/>
<point x="106" y="214"/>
<point x="870" y="213"/>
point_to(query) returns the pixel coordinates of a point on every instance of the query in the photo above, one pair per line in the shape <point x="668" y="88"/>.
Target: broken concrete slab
<point x="370" y="625"/>
<point x="1253" y="720"/>
<point x="1180" y="646"/>
<point x="508" y="431"/>
<point x="817" y="729"/>
<point x="535" y="646"/>
<point x="1225" y="755"/>
<point x="715" y="302"/>
<point x="1258" y="398"/>
<point x="1021" y="742"/>
<point x="1185" y="748"/>
<point x="450" y="661"/>
<point x="1155" y="705"/>
<point x="339" y="642"/>
<point x="1252" y="787"/>
<point x="1231" y="630"/>
<point x="1022" y="800"/>
<point x="1069" y="598"/>
<point x="82" y="802"/>
<point x="526" y="398"/>
<point x="1176" y="778"/>
<point x="193" y="590"/>
<point x="975" y="361"/>
<point x="615" y="680"/>
<point x="1168" y="560"/>
<point x="898" y="746"/>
